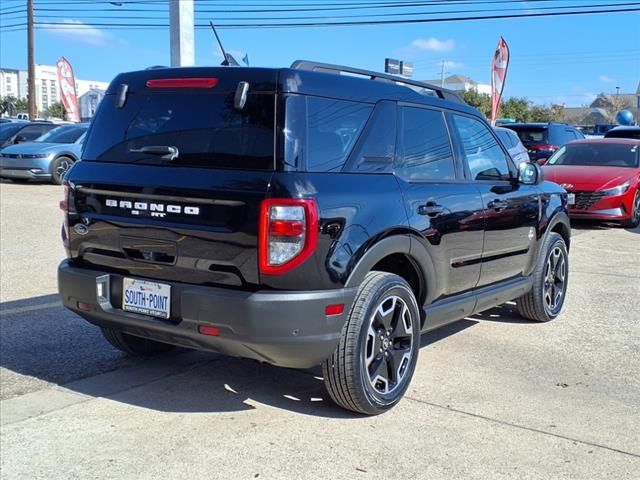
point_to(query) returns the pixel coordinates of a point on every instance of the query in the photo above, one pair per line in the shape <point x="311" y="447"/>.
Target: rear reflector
<point x="182" y="83"/>
<point x="336" y="309"/>
<point x="85" y="307"/>
<point x="213" y="331"/>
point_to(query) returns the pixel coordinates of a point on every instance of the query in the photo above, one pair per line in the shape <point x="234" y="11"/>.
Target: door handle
<point x="498" y="204"/>
<point x="431" y="209"/>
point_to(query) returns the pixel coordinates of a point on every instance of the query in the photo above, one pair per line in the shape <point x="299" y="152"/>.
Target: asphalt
<point x="493" y="396"/>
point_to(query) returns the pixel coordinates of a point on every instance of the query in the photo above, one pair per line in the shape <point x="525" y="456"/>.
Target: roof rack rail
<point x="443" y="93"/>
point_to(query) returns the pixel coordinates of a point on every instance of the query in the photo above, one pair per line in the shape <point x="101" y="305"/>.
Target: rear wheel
<point x="135" y="345"/>
<point x="59" y="169"/>
<point x="634" y="221"/>
<point x="374" y="362"/>
<point x="545" y="300"/>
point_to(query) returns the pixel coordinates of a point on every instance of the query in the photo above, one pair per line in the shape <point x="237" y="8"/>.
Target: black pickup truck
<point x="300" y="216"/>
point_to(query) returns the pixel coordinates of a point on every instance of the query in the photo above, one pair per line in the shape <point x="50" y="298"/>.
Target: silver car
<point x="516" y="149"/>
<point x="49" y="157"/>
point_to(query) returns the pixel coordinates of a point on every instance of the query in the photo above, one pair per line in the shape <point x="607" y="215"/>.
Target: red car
<point x="602" y="178"/>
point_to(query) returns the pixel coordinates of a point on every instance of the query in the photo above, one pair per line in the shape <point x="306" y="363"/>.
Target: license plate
<point x="571" y="198"/>
<point x="147" y="298"/>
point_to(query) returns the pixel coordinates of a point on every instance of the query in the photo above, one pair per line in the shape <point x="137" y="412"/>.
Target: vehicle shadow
<point x="505" y="313"/>
<point x="41" y="339"/>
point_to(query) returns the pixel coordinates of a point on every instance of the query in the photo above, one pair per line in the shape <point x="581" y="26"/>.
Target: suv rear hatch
<point x="173" y="175"/>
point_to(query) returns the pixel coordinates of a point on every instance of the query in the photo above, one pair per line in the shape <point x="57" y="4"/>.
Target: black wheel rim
<point x="62" y="167"/>
<point x="555" y="280"/>
<point x="389" y="345"/>
<point x="636" y="208"/>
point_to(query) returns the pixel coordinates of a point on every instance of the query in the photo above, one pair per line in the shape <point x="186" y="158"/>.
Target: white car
<point x="516" y="149"/>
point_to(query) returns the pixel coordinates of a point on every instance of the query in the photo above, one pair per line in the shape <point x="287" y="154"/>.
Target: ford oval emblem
<point x="81" y="228"/>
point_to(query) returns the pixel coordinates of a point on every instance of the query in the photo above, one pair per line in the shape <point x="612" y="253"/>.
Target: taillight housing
<point x="288" y="233"/>
<point x="64" y="206"/>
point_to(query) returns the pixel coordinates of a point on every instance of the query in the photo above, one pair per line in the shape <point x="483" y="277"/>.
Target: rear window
<point x="529" y="135"/>
<point x="206" y="130"/>
<point x="623" y="133"/>
<point x="596" y="155"/>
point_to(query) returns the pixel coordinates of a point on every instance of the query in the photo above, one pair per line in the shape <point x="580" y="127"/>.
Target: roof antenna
<point x="228" y="58"/>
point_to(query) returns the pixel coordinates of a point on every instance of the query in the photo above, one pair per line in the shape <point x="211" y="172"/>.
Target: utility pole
<point x="442" y="75"/>
<point x="181" y="33"/>
<point x="31" y="81"/>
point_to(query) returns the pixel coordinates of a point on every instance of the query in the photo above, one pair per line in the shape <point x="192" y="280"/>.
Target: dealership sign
<point x="68" y="94"/>
<point x="499" y="68"/>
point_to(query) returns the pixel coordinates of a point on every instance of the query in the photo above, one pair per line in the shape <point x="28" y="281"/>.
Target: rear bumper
<point x="288" y="329"/>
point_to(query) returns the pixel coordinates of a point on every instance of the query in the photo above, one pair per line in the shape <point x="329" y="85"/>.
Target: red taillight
<point x="288" y="233"/>
<point x="543" y="146"/>
<point x="182" y="83"/>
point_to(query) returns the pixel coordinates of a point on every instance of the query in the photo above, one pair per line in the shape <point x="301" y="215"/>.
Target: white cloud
<point x="606" y="79"/>
<point x="77" y="31"/>
<point x="432" y="44"/>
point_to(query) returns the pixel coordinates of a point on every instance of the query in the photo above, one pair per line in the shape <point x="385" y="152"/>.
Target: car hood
<point x="578" y="177"/>
<point x="41" y="147"/>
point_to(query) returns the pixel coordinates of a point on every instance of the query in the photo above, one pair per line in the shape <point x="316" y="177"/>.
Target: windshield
<point x="596" y="155"/>
<point x="529" y="135"/>
<point x="206" y="130"/>
<point x="64" y="134"/>
<point x="8" y="129"/>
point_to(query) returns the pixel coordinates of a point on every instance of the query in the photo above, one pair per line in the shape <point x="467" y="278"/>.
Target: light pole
<point x="181" y="19"/>
<point x="31" y="67"/>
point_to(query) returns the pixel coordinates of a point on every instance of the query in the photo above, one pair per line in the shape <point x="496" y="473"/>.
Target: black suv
<point x="301" y="217"/>
<point x="543" y="139"/>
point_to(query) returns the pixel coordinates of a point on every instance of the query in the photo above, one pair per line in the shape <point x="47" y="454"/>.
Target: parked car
<point x="624" y="132"/>
<point x="602" y="177"/>
<point x="542" y="139"/>
<point x="21" y="132"/>
<point x="49" y="157"/>
<point x="299" y="217"/>
<point x="515" y="147"/>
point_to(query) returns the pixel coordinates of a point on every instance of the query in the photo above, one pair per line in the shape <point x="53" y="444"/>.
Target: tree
<point x="8" y="106"/>
<point x="56" y="110"/>
<point x="516" y="108"/>
<point x="481" y="101"/>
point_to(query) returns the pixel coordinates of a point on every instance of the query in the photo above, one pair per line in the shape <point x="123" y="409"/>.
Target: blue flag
<point x="245" y="59"/>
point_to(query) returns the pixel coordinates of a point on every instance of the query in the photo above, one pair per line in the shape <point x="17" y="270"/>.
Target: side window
<point x="32" y="132"/>
<point x="425" y="149"/>
<point x="333" y="126"/>
<point x="505" y="138"/>
<point x="484" y="156"/>
<point x="375" y="150"/>
<point x="515" y="140"/>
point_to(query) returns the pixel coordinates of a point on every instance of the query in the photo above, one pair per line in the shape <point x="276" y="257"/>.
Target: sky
<point x="563" y="59"/>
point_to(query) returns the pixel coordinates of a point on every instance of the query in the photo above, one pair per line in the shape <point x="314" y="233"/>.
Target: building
<point x="461" y="83"/>
<point x="13" y="83"/>
<point x="88" y="103"/>
<point x="604" y="108"/>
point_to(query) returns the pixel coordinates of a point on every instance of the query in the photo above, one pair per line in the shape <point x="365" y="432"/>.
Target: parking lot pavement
<point x="493" y="396"/>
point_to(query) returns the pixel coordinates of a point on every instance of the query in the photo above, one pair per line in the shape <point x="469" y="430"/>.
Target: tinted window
<point x="205" y="127"/>
<point x="530" y="135"/>
<point x="8" y="129"/>
<point x="504" y="137"/>
<point x="333" y="127"/>
<point x="34" y="131"/>
<point x="375" y="149"/>
<point x="425" y="149"/>
<point x="66" y="134"/>
<point x="596" y="154"/>
<point x="484" y="156"/>
<point x="623" y="133"/>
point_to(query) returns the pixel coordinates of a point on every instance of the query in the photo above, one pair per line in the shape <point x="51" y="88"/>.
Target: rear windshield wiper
<point x="167" y="152"/>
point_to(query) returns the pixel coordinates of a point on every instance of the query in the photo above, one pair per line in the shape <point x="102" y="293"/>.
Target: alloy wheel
<point x="555" y="279"/>
<point x="388" y="349"/>
<point x="62" y="167"/>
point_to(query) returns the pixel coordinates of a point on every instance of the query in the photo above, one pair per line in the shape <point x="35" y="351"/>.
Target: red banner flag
<point x="499" y="68"/>
<point x="68" y="94"/>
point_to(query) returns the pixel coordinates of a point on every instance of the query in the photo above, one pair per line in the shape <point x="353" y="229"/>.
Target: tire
<point x="383" y="300"/>
<point x="19" y="180"/>
<point x="133" y="345"/>
<point x="545" y="300"/>
<point x="59" y="168"/>
<point x="634" y="221"/>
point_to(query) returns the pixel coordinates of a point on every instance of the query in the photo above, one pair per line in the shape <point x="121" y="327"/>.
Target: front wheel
<point x="634" y="221"/>
<point x="59" y="169"/>
<point x="546" y="299"/>
<point x="374" y="362"/>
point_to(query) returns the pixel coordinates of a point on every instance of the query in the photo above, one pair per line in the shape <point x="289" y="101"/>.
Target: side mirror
<point x="20" y="139"/>
<point x="530" y="174"/>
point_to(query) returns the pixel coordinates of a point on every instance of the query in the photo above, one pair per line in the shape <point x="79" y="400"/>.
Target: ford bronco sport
<point x="300" y="216"/>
